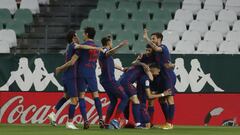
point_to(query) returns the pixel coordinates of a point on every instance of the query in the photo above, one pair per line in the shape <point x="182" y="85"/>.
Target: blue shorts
<point x="71" y="88"/>
<point x="129" y="89"/>
<point x="113" y="88"/>
<point x="169" y="81"/>
<point x="89" y="83"/>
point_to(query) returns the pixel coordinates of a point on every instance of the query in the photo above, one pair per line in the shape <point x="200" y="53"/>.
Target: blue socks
<point x="165" y="110"/>
<point x="98" y="106"/>
<point x="60" y="103"/>
<point x="82" y="107"/>
<point x="171" y="111"/>
<point x="71" y="111"/>
<point x="123" y="103"/>
<point x="136" y="112"/>
<point x="150" y="110"/>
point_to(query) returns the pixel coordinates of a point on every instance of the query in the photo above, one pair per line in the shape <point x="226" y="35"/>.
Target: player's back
<point x="70" y="72"/>
<point x="87" y="60"/>
<point x="107" y="66"/>
<point x="132" y="74"/>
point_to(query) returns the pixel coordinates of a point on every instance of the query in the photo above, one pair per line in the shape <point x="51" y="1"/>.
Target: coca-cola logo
<point x="14" y="110"/>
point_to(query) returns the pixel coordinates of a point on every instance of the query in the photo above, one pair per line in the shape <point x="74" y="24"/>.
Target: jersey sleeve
<point x="166" y="58"/>
<point x="145" y="82"/>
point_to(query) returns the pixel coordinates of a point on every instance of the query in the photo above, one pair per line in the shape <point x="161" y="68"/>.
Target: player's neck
<point x="89" y="39"/>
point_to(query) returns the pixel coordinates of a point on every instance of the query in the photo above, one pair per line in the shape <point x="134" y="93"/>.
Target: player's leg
<point x="164" y="106"/>
<point x="111" y="108"/>
<point x="144" y="116"/>
<point x="171" y="111"/>
<point x="151" y="110"/>
<point x="52" y="115"/>
<point x="82" y="103"/>
<point x="118" y="91"/>
<point x="71" y="112"/>
<point x="72" y="91"/>
<point x="136" y="110"/>
<point x="92" y="87"/>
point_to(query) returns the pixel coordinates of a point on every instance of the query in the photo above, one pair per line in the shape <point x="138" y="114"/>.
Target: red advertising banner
<point x="191" y="109"/>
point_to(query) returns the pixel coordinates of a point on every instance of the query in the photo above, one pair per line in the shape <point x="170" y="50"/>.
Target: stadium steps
<point x="53" y="22"/>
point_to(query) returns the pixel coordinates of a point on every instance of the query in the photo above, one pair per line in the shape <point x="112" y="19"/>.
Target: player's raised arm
<point x="87" y="47"/>
<point x="147" y="39"/>
<point x="114" y="50"/>
<point x="67" y="64"/>
<point x="118" y="67"/>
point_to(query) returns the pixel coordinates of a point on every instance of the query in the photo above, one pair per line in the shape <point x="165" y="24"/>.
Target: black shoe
<point x="101" y="123"/>
<point x="86" y="125"/>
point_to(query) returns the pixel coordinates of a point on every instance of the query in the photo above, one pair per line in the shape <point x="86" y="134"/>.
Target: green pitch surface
<point x="9" y="129"/>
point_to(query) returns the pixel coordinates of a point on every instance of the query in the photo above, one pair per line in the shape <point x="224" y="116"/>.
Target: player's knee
<point x="95" y="94"/>
<point x="74" y="100"/>
<point x="170" y="100"/>
<point x="135" y="99"/>
<point x="151" y="103"/>
<point x="66" y="96"/>
<point x="82" y="94"/>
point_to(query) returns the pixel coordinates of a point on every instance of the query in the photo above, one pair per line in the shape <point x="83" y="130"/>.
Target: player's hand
<point x="125" y="69"/>
<point x="57" y="70"/>
<point x="167" y="93"/>
<point x="145" y="34"/>
<point x="77" y="46"/>
<point x="123" y="43"/>
<point x="146" y="68"/>
<point x="100" y="49"/>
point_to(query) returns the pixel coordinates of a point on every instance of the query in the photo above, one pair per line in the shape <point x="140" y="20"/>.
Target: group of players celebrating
<point x="152" y="72"/>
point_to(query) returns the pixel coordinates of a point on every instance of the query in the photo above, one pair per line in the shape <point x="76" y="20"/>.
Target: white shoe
<point x="70" y="125"/>
<point x="52" y="118"/>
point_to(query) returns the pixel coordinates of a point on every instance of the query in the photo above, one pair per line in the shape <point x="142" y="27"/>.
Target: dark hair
<point x="154" y="65"/>
<point x="105" y="40"/>
<point x="90" y="31"/>
<point x="148" y="46"/>
<point x="70" y="36"/>
<point x="158" y="35"/>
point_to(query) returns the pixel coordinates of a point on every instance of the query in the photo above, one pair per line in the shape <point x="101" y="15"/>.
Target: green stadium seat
<point x="100" y="34"/>
<point x="24" y="16"/>
<point x="139" y="46"/>
<point x="155" y="26"/>
<point x="149" y="6"/>
<point x="89" y="23"/>
<point x="163" y="16"/>
<point x="107" y="5"/>
<point x="17" y="26"/>
<point x="141" y="16"/>
<point x="113" y="26"/>
<point x="125" y="35"/>
<point x="133" y="26"/>
<point x="97" y="14"/>
<point x="170" y="6"/>
<point x="129" y="6"/>
<point x="5" y="16"/>
<point x="1" y="25"/>
<point x="120" y="15"/>
<point x="80" y="33"/>
<point x="124" y="50"/>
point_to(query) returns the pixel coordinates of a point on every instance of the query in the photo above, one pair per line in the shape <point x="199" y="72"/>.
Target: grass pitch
<point x="40" y="129"/>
